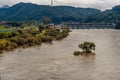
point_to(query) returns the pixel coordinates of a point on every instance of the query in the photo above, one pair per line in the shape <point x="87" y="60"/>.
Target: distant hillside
<point x="112" y="15"/>
<point x="28" y="11"/>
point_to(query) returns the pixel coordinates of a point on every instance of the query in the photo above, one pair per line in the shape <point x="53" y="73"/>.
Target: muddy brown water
<point x="56" y="62"/>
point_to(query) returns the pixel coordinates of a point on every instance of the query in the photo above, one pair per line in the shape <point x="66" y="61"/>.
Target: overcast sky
<point x="99" y="4"/>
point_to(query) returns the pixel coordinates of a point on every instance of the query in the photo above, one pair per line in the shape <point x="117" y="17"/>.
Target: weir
<point x="89" y="25"/>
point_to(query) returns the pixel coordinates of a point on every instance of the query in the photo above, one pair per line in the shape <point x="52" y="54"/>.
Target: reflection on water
<point x="56" y="62"/>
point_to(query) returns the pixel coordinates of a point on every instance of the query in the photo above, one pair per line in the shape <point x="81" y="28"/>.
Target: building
<point x="51" y="26"/>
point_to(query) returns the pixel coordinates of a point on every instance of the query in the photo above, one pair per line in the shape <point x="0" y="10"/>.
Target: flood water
<point x="57" y="62"/>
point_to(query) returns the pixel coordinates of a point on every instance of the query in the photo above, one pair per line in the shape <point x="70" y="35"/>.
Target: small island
<point x="87" y="49"/>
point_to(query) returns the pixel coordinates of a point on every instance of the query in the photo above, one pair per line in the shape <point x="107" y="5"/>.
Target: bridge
<point x="89" y="25"/>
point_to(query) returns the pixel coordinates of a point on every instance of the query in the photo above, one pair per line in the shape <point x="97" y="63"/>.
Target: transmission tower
<point x="51" y="2"/>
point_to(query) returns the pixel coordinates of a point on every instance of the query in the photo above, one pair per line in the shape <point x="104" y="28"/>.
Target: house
<point x="51" y="26"/>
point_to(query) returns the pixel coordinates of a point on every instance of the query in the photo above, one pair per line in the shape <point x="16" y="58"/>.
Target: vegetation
<point x="77" y="53"/>
<point x="28" y="37"/>
<point x="45" y="14"/>
<point x="108" y="16"/>
<point x="42" y="13"/>
<point x="87" y="49"/>
<point x="46" y="20"/>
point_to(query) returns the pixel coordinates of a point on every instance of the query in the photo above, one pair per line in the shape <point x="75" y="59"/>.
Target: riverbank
<point x="30" y="37"/>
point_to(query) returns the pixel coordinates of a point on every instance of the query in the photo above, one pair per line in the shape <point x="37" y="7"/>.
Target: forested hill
<point x="29" y="11"/>
<point x="112" y="15"/>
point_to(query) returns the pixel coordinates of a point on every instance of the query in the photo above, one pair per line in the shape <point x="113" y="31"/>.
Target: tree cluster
<point x="30" y="37"/>
<point x="87" y="48"/>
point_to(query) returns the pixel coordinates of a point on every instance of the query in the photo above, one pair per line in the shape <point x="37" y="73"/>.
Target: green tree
<point x="46" y="20"/>
<point x="87" y="47"/>
<point x="4" y="35"/>
<point x="51" y="32"/>
<point x="41" y="27"/>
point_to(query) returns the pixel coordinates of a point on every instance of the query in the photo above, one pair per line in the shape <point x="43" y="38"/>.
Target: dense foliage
<point x="87" y="48"/>
<point x="112" y="15"/>
<point x="30" y="37"/>
<point x="56" y="14"/>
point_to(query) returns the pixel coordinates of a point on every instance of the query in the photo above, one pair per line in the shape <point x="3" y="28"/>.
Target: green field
<point x="2" y="29"/>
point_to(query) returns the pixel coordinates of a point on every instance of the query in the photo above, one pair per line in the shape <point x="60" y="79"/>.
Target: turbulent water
<point x="56" y="61"/>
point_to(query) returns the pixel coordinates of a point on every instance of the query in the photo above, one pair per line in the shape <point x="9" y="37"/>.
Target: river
<point x="57" y="62"/>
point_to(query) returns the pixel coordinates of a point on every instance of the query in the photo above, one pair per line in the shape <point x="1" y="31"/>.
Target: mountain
<point x="112" y="15"/>
<point x="58" y="14"/>
<point x="5" y="6"/>
<point x="29" y="11"/>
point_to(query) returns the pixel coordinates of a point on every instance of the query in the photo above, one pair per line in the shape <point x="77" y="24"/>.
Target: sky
<point x="99" y="4"/>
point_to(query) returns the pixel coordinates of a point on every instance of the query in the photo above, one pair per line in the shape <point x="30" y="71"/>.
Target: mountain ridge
<point x="58" y="14"/>
<point x="29" y="11"/>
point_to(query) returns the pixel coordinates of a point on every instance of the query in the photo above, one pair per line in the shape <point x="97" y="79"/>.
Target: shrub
<point x="66" y="30"/>
<point x="14" y="45"/>
<point x="13" y="39"/>
<point x="59" y="36"/>
<point x="21" y="41"/>
<point x="16" y="33"/>
<point x="36" y="41"/>
<point x="26" y="35"/>
<point x="33" y="41"/>
<point x="41" y="27"/>
<point x="34" y="32"/>
<point x="4" y="35"/>
<point x="77" y="53"/>
<point x="46" y="39"/>
<point x="9" y="48"/>
<point x="3" y="44"/>
<point x="19" y="31"/>
<point x="51" y="32"/>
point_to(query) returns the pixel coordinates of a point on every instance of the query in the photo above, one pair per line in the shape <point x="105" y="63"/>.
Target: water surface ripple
<point x="56" y="62"/>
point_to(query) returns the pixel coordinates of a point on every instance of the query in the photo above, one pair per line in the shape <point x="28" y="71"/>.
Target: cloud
<point x="99" y="4"/>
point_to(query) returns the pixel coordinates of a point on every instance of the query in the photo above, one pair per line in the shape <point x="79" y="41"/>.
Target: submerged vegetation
<point x="30" y="36"/>
<point x="87" y="49"/>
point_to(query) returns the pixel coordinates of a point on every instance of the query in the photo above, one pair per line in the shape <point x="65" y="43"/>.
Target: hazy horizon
<point x="98" y="4"/>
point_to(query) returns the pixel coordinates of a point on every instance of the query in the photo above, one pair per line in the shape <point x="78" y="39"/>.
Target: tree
<point x="117" y="25"/>
<point x="41" y="27"/>
<point x="51" y="32"/>
<point x="46" y="20"/>
<point x="4" y="35"/>
<point x="87" y="47"/>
